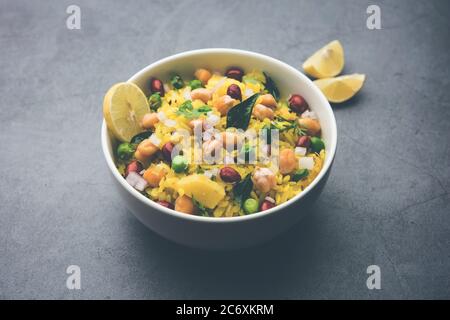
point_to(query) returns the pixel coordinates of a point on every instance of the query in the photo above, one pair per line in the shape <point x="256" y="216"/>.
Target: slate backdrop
<point x="386" y="202"/>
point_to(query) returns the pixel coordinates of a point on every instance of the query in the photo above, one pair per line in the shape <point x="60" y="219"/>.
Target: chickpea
<point x="203" y="75"/>
<point x="288" y="161"/>
<point x="262" y="112"/>
<point x="140" y="157"/>
<point x="146" y="149"/>
<point x="154" y="175"/>
<point x="201" y="94"/>
<point x="149" y="120"/>
<point x="268" y="100"/>
<point x="223" y="104"/>
<point x="231" y="138"/>
<point x="212" y="147"/>
<point x="264" y="179"/>
<point x="312" y="126"/>
<point x="184" y="204"/>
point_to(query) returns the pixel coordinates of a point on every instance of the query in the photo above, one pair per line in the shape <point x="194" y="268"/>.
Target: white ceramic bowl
<point x="235" y="232"/>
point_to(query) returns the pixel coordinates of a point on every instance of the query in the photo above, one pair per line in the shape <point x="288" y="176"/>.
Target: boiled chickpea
<point x="264" y="179"/>
<point x="230" y="138"/>
<point x="154" y="175"/>
<point x="262" y="112"/>
<point x="201" y="94"/>
<point x="268" y="100"/>
<point x="184" y="204"/>
<point x="149" y="120"/>
<point x="146" y="148"/>
<point x="223" y="104"/>
<point x="312" y="126"/>
<point x="288" y="161"/>
<point x="203" y="75"/>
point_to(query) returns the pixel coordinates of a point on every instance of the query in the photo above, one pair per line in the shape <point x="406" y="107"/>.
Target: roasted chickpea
<point x="312" y="126"/>
<point x="223" y="104"/>
<point x="154" y="175"/>
<point x="203" y="75"/>
<point x="262" y="112"/>
<point x="264" y="179"/>
<point x="288" y="161"/>
<point x="201" y="94"/>
<point x="268" y="100"/>
<point x="184" y="204"/>
<point x="149" y="120"/>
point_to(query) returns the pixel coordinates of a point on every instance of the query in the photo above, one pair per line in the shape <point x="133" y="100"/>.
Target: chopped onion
<point x="208" y="134"/>
<point x="270" y="199"/>
<point x="211" y="173"/>
<point x="136" y="181"/>
<point x="166" y="88"/>
<point x="207" y="126"/>
<point x="306" y="163"/>
<point x="248" y="92"/>
<point x="161" y="116"/>
<point x="187" y="93"/>
<point x="228" y="159"/>
<point x="300" y="151"/>
<point x="218" y="85"/>
<point x="263" y="172"/>
<point x="208" y="174"/>
<point x="170" y="123"/>
<point x="309" y="114"/>
<point x="212" y="119"/>
<point x="155" y="140"/>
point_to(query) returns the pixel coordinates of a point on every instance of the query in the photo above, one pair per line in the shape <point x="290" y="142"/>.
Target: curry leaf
<point x="272" y="87"/>
<point x="239" y="116"/>
<point x="201" y="210"/>
<point x="243" y="189"/>
<point x="140" y="137"/>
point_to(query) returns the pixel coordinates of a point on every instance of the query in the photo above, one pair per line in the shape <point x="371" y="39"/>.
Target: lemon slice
<point x="326" y="62"/>
<point x="124" y="106"/>
<point x="341" y="88"/>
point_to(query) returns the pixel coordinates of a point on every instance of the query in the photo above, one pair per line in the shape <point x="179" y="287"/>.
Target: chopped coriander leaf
<point x="187" y="110"/>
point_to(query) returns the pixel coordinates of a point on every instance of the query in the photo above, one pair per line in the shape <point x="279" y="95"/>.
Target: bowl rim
<point x="258" y="215"/>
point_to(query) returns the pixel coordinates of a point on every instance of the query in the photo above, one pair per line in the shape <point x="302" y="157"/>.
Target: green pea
<point x="179" y="164"/>
<point x="195" y="84"/>
<point x="125" y="150"/>
<point x="317" y="144"/>
<point x="177" y="82"/>
<point x="250" y="206"/>
<point x="155" y="101"/>
<point x="299" y="175"/>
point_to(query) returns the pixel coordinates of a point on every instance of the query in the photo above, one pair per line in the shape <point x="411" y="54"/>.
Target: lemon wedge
<point x="341" y="88"/>
<point x="326" y="62"/>
<point x="124" y="106"/>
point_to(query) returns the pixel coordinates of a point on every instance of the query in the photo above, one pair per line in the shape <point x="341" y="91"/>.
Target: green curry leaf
<point x="242" y="189"/>
<point x="239" y="116"/>
<point x="272" y="87"/>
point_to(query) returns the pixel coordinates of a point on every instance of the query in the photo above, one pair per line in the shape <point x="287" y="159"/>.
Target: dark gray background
<point x="386" y="202"/>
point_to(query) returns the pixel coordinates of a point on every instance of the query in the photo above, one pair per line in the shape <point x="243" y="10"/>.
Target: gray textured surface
<point x="386" y="203"/>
